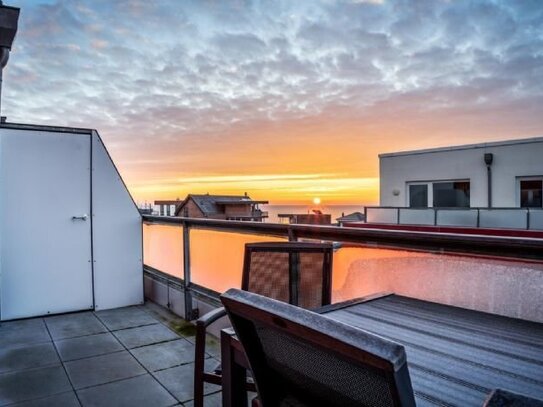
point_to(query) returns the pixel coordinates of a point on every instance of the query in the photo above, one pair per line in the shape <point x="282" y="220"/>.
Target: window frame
<point x="519" y="179"/>
<point x="430" y="189"/>
<point x="428" y="193"/>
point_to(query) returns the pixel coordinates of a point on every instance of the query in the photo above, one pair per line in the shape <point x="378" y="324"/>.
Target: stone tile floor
<point x="134" y="356"/>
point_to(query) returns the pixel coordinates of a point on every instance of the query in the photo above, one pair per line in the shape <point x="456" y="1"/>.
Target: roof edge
<point x="464" y="147"/>
<point x="42" y="127"/>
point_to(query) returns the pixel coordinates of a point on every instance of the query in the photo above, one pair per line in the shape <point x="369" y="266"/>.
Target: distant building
<point x="167" y="208"/>
<point x="496" y="185"/>
<point x="499" y="174"/>
<point x="228" y="207"/>
<point x="352" y="217"/>
<point x="315" y="218"/>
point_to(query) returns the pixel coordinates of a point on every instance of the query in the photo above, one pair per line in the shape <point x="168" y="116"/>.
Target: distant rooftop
<point x="352" y="217"/>
<point x="465" y="147"/>
<point x="169" y="202"/>
<point x="210" y="204"/>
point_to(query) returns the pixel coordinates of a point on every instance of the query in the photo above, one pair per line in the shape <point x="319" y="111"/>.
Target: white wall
<point x="117" y="235"/>
<point x="511" y="160"/>
<point x="49" y="262"/>
<point x="45" y="257"/>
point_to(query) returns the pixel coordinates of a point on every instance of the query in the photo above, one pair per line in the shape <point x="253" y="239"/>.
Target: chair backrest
<point x="294" y="272"/>
<point x="301" y="358"/>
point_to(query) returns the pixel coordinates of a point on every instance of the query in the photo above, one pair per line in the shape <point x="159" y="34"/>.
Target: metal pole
<point x="190" y="313"/>
<point x="489" y="182"/>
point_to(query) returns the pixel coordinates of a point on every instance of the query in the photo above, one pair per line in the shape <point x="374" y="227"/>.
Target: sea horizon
<point x="335" y="210"/>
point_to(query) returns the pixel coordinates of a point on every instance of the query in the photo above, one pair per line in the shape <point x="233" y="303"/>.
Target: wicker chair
<point x="293" y="272"/>
<point x="301" y="358"/>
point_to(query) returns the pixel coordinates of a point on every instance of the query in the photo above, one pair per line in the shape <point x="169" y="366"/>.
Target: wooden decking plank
<point x="495" y="342"/>
<point x="527" y="330"/>
<point x="485" y="357"/>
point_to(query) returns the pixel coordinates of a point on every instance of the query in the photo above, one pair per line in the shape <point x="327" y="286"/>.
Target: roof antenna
<point x="9" y="17"/>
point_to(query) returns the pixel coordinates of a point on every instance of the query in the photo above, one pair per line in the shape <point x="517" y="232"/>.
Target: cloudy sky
<point x="286" y="100"/>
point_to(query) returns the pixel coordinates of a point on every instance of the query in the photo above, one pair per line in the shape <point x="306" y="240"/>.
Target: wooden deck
<point x="455" y="356"/>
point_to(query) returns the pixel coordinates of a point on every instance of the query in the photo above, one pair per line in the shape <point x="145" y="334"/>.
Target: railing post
<point x="435" y="216"/>
<point x="292" y="235"/>
<point x="190" y="313"/>
<point x="398" y="217"/>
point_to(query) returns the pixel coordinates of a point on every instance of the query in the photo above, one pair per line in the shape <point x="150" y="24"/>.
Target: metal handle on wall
<point x="82" y="217"/>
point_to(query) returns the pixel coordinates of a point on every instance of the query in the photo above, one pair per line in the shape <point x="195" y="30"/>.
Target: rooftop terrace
<point x="93" y="259"/>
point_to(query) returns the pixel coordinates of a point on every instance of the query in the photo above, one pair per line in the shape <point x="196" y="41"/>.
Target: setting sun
<point x="316" y="201"/>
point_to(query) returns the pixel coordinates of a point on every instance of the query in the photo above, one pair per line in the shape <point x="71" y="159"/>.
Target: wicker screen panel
<point x="269" y="274"/>
<point x="310" y="280"/>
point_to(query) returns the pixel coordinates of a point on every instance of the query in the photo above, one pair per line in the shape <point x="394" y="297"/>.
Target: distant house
<point x="167" y="208"/>
<point x="315" y="218"/>
<point x="352" y="217"/>
<point x="228" y="207"/>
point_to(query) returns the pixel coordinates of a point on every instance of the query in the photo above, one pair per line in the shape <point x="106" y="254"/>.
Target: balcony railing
<point x="188" y="260"/>
<point x="506" y="218"/>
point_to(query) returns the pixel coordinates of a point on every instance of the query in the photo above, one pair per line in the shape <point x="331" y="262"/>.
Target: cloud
<point x="186" y="81"/>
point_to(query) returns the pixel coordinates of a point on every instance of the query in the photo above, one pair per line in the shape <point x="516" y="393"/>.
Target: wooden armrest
<point x="210" y="317"/>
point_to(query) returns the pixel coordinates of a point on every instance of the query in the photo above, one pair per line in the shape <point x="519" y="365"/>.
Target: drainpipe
<point x="489" y="157"/>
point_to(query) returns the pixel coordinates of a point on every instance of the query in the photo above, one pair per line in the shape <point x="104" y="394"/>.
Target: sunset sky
<point x="287" y="100"/>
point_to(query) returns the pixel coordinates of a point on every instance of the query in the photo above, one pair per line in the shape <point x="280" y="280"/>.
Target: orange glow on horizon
<point x="331" y="156"/>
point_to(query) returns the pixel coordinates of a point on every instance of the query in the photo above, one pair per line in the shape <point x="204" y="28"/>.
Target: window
<point x="439" y="194"/>
<point x="451" y="194"/>
<point x="418" y="196"/>
<point x="531" y="193"/>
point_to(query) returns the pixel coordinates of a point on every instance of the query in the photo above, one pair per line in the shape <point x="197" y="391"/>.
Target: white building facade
<point x="458" y="177"/>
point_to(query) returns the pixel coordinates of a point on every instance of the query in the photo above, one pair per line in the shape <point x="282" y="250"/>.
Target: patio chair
<point x="294" y="272"/>
<point x="301" y="358"/>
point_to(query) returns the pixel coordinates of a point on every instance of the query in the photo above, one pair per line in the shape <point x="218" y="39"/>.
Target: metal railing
<point x="507" y="218"/>
<point x="512" y="247"/>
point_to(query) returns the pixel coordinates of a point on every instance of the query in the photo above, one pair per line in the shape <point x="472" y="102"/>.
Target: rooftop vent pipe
<point x="9" y="18"/>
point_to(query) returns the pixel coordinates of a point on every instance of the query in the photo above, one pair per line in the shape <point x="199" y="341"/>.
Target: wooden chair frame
<point x="293" y="249"/>
<point x="247" y="310"/>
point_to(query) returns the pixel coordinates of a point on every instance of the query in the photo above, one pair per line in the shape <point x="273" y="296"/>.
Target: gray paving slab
<point x="141" y="391"/>
<point x="86" y="346"/>
<point x="145" y="335"/>
<point x="32" y="384"/>
<point x="59" y="400"/>
<point x="180" y="380"/>
<point x="23" y="332"/>
<point x="103" y="369"/>
<point x="28" y="356"/>
<point x="74" y="325"/>
<point x="177" y="324"/>
<point x="165" y="355"/>
<point x="122" y="318"/>
<point x="211" y="400"/>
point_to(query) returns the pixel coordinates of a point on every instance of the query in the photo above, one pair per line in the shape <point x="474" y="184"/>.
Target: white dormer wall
<point x="513" y="161"/>
<point x="71" y="235"/>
